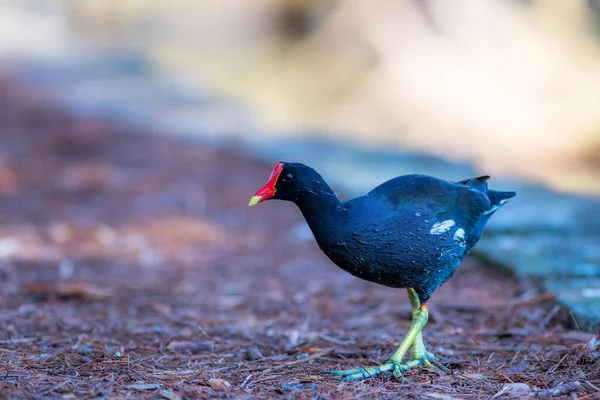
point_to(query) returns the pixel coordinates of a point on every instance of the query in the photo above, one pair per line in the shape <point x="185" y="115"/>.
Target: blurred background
<point x="511" y="86"/>
<point x="133" y="133"/>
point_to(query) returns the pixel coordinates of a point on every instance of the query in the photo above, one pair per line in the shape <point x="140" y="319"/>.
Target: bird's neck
<point x="322" y="210"/>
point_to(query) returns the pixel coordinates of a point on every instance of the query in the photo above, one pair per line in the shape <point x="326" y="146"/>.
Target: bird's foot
<point x="357" y="374"/>
<point x="423" y="361"/>
<point x="425" y="358"/>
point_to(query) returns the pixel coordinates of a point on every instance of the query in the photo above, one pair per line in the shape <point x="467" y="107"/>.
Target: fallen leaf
<point x="9" y="181"/>
<point x="576" y="336"/>
<point x="219" y="384"/>
<point x="9" y="247"/>
<point x="593" y="348"/>
<point x="517" y="369"/>
<point x="88" y="177"/>
<point x="541" y="298"/>
<point x="143" y="386"/>
<point x="253" y="353"/>
<point x="162" y="308"/>
<point x="60" y="233"/>
<point x="168" y="394"/>
<point x="189" y="347"/>
<point x="476" y="376"/>
<point x="82" y="290"/>
<point x="514" y="389"/>
<point x="560" y="390"/>
<point x="311" y="349"/>
<point x="350" y="352"/>
<point x="441" y="396"/>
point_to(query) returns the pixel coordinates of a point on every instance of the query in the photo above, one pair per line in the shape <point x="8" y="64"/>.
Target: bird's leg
<point x="394" y="364"/>
<point x="414" y="338"/>
<point x="419" y="353"/>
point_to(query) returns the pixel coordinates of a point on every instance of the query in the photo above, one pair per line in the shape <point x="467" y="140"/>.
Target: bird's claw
<point x="431" y="357"/>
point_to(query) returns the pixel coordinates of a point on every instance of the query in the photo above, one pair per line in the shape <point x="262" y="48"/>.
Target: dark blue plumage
<point x="412" y="231"/>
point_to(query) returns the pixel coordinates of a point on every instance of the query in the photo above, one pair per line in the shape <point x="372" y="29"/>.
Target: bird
<point x="411" y="232"/>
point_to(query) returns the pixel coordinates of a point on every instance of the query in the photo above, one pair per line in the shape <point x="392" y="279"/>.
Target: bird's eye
<point x="287" y="177"/>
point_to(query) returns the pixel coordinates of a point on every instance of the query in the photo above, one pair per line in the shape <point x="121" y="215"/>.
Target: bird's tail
<point x="497" y="198"/>
<point x="479" y="183"/>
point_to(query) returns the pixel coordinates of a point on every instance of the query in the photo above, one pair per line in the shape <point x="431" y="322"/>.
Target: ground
<point x="132" y="266"/>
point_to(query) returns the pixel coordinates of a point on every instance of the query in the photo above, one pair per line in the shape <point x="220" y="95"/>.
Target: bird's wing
<point x="434" y="198"/>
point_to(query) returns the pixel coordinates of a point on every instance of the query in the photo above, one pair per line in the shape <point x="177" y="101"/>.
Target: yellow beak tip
<point x="254" y="200"/>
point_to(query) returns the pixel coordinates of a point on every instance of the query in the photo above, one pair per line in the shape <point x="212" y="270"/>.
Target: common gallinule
<point x="410" y="232"/>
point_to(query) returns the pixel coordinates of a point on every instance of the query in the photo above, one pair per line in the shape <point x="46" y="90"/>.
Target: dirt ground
<point x="131" y="266"/>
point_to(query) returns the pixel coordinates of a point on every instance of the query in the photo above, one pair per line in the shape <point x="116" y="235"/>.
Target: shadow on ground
<point x="132" y="266"/>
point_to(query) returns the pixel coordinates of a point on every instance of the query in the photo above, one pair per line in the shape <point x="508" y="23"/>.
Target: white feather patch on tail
<point x="494" y="208"/>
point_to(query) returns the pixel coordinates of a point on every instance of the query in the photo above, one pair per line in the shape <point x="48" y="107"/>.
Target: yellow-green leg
<point x="414" y="338"/>
<point x="420" y="356"/>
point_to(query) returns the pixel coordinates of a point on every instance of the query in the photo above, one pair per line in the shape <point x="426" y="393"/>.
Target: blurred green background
<point x="512" y="86"/>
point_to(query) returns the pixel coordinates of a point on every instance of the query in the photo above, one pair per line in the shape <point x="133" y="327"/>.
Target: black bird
<point x="410" y="232"/>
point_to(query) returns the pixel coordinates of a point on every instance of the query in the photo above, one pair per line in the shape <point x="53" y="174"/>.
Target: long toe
<point x="422" y="361"/>
<point x="360" y="373"/>
<point x="433" y="357"/>
<point x="399" y="368"/>
<point x="357" y="374"/>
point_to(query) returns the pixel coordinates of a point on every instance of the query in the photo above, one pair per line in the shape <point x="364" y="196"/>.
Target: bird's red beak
<point x="267" y="191"/>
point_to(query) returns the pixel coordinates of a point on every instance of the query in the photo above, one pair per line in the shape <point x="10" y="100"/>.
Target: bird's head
<point x="288" y="181"/>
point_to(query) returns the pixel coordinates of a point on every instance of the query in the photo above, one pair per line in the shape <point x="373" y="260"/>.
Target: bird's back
<point x="413" y="230"/>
